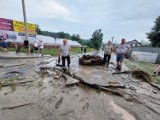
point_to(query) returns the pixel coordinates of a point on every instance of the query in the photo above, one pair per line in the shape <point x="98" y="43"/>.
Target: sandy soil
<point x="47" y="98"/>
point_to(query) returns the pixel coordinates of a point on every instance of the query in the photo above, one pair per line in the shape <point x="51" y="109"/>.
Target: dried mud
<point x="48" y="98"/>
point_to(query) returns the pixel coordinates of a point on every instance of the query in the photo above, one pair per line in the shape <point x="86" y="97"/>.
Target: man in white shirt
<point x="35" y="45"/>
<point x="121" y="50"/>
<point x="65" y="52"/>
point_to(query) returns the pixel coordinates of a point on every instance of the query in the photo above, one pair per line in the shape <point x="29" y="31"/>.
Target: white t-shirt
<point x="35" y="44"/>
<point x="121" y="49"/>
<point x="41" y="45"/>
<point x="64" y="50"/>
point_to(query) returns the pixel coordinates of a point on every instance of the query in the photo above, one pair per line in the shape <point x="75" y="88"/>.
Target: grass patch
<point x="147" y="67"/>
<point x="54" y="51"/>
<point x="14" y="49"/>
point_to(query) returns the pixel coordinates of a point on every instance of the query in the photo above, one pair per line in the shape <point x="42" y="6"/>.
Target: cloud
<point x="49" y="9"/>
<point x="36" y="9"/>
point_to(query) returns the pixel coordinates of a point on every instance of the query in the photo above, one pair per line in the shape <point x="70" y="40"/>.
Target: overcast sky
<point x="130" y="19"/>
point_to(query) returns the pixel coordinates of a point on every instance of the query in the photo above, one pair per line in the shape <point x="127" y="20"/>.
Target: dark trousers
<point x="108" y="57"/>
<point x="68" y="60"/>
<point x="18" y="50"/>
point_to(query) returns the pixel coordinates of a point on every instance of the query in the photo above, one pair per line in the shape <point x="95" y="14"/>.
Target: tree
<point x="38" y="30"/>
<point x="154" y="35"/>
<point x="64" y="35"/>
<point x="96" y="40"/>
<point x="75" y="37"/>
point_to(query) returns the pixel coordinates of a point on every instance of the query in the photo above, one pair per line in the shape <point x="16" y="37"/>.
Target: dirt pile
<point x="90" y="60"/>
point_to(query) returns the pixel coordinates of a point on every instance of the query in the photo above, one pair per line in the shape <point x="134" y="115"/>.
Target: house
<point x="134" y="43"/>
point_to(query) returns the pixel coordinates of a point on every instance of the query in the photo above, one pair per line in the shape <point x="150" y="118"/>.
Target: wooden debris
<point x="57" y="77"/>
<point x="17" y="106"/>
<point x="112" y="82"/>
<point x="14" y="83"/>
<point x="14" y="72"/>
<point x="124" y="72"/>
<point x="13" y="65"/>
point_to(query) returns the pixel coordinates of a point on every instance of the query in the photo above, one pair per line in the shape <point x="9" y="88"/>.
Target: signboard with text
<point x="16" y="26"/>
<point x="19" y="27"/>
<point x="6" y="24"/>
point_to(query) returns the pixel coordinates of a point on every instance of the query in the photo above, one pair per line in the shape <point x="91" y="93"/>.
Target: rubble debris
<point x="138" y="74"/>
<point x="141" y="75"/>
<point x="90" y="60"/>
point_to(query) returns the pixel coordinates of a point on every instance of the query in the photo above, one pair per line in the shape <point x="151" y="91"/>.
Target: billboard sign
<point x="16" y="26"/>
<point x="6" y="24"/>
<point x="19" y="27"/>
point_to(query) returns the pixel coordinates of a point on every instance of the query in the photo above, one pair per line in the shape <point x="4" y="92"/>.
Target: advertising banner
<point x="7" y="35"/>
<point x="19" y="27"/>
<point x="6" y="24"/>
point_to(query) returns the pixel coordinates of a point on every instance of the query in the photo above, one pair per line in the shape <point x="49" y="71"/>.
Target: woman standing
<point x="107" y="52"/>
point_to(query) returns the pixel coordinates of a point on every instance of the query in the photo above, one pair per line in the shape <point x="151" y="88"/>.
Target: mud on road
<point x="32" y="90"/>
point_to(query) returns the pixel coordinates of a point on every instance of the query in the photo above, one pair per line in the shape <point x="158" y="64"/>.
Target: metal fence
<point x="146" y="49"/>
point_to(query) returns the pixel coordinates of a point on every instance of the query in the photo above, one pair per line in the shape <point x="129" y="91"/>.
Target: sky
<point x="129" y="19"/>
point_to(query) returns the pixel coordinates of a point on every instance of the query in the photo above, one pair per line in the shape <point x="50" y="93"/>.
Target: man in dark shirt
<point x="26" y="46"/>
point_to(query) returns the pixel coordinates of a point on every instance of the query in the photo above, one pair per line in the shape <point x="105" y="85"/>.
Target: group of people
<point x="36" y="47"/>
<point x="120" y="51"/>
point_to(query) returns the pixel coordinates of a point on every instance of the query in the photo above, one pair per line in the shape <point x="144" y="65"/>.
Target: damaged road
<point x="81" y="93"/>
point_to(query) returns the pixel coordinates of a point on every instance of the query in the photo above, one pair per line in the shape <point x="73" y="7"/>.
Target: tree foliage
<point x="75" y="37"/>
<point x="154" y="35"/>
<point x="96" y="39"/>
<point x="94" y="42"/>
<point x="38" y="30"/>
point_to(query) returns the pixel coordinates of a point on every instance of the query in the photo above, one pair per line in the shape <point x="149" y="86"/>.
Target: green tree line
<point x="94" y="42"/>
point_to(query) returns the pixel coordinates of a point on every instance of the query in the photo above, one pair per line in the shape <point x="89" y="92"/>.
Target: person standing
<point x="85" y="49"/>
<point x="81" y="49"/>
<point x="18" y="48"/>
<point x="35" y="45"/>
<point x="26" y="46"/>
<point x="65" y="52"/>
<point x="121" y="50"/>
<point x="107" y="52"/>
<point x="41" y="47"/>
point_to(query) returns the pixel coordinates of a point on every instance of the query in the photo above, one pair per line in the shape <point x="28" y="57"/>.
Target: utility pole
<point x="25" y="20"/>
<point x="112" y="39"/>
